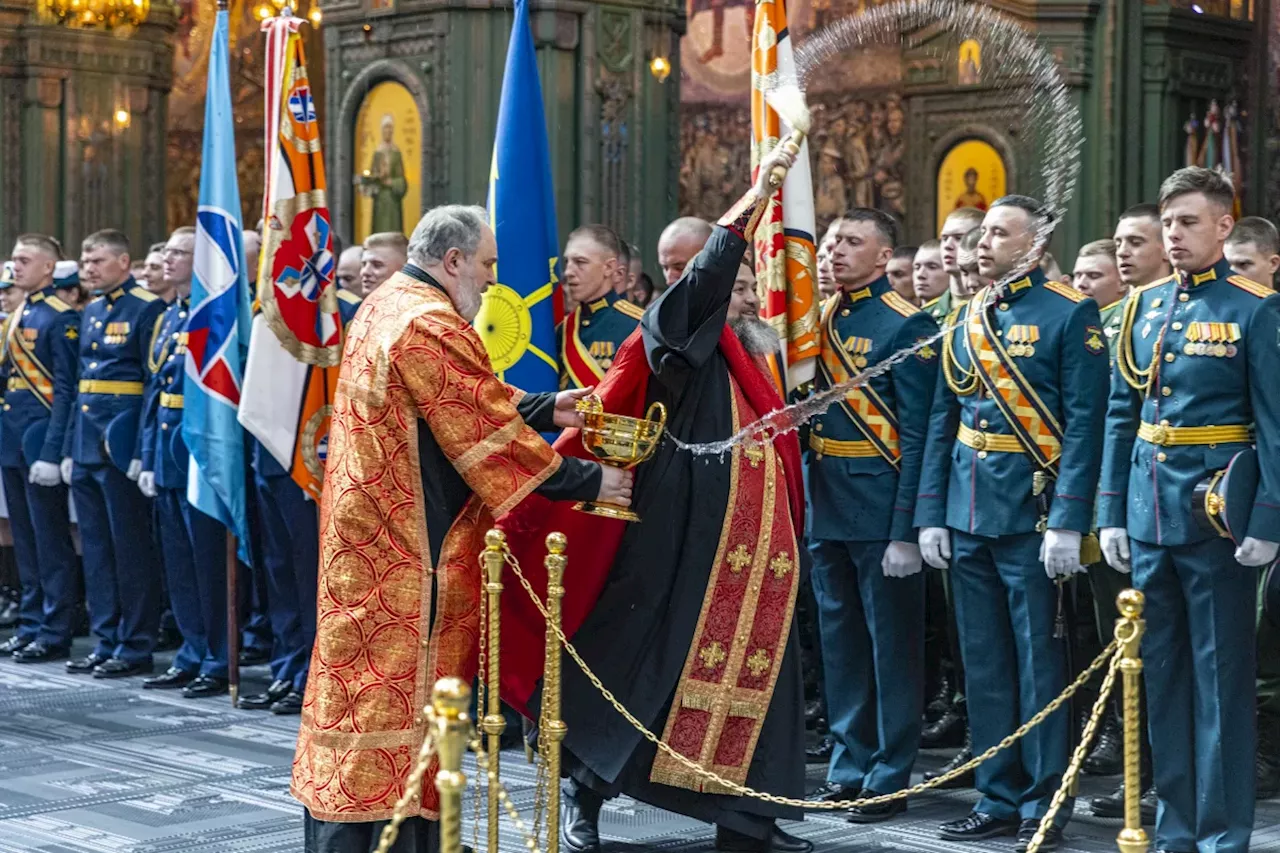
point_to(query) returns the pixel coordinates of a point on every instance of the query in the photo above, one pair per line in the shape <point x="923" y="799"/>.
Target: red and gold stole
<point x="732" y="667"/>
<point x="579" y="364"/>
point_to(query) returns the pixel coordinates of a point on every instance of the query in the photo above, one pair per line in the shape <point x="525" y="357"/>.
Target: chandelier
<point x="120" y="16"/>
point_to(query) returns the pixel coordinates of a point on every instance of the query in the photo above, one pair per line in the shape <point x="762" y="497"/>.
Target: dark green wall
<point x="593" y="59"/>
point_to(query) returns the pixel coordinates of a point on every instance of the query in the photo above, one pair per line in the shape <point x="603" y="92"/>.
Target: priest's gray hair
<point x="450" y="226"/>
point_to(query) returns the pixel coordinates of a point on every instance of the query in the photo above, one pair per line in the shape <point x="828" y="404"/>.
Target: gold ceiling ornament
<point x="116" y="16"/>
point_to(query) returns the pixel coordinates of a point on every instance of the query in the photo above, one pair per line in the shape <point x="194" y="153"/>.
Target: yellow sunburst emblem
<point x="505" y="326"/>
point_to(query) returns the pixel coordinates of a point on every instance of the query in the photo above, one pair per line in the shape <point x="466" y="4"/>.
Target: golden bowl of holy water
<point x="621" y="441"/>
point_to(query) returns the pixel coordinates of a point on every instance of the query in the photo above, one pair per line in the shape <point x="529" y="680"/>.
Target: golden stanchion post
<point x="451" y="698"/>
<point x="551" y="726"/>
<point x="1129" y="629"/>
<point x="494" y="723"/>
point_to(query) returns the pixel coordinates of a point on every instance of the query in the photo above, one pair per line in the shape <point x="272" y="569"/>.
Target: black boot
<point x="580" y="823"/>
<point x="1107" y="756"/>
<point x="964" y="756"/>
<point x="942" y="698"/>
<point x="947" y="731"/>
<point x="1112" y="805"/>
<point x="815" y="714"/>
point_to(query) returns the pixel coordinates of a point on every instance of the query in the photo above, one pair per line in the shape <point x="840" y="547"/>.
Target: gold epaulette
<point x="57" y="304"/>
<point x="348" y="297"/>
<point x="635" y="312"/>
<point x="1249" y="286"/>
<point x="895" y="301"/>
<point x="1166" y="280"/>
<point x="142" y="293"/>
<point x="1064" y="290"/>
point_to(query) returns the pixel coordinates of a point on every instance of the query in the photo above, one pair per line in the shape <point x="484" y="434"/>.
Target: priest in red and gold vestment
<point x="426" y="448"/>
<point x="686" y="616"/>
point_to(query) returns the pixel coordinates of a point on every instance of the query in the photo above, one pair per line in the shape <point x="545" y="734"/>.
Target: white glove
<point x="65" y="469"/>
<point x="935" y="546"/>
<point x="147" y="483"/>
<point x="1256" y="552"/>
<point x="45" y="474"/>
<point x="135" y="468"/>
<point x="1115" y="548"/>
<point x="901" y="560"/>
<point x="1060" y="553"/>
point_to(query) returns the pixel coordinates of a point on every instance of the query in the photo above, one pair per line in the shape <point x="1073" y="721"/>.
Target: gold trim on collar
<point x="1021" y="284"/>
<point x="599" y="304"/>
<point x="859" y="294"/>
<point x="1208" y="275"/>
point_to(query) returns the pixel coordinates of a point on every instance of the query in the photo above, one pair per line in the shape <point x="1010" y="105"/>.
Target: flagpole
<point x="233" y="622"/>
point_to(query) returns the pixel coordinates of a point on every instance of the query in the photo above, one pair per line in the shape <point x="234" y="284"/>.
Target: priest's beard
<point x="467" y="296"/>
<point x="756" y="335"/>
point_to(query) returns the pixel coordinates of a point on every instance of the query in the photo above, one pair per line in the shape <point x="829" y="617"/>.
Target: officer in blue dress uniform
<point x="104" y="451"/>
<point x="863" y="471"/>
<point x="194" y="544"/>
<point x="1194" y="385"/>
<point x="1007" y="494"/>
<point x="290" y="527"/>
<point x="592" y="333"/>
<point x="40" y="351"/>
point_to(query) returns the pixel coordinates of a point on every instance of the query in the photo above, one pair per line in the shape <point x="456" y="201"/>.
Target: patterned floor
<point x="89" y="766"/>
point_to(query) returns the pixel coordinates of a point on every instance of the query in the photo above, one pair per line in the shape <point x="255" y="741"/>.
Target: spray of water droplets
<point x="1037" y="104"/>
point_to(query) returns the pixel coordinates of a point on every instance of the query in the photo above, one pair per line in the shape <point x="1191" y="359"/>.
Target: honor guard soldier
<point x="194" y="544"/>
<point x="290" y="527"/>
<point x="957" y="224"/>
<point x="1006" y="495"/>
<point x="40" y="351"/>
<point x="1194" y="392"/>
<point x="103" y="454"/>
<point x="864" y="468"/>
<point x="601" y="320"/>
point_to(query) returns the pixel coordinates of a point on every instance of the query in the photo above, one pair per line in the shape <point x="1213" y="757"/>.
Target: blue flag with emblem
<point x="219" y="310"/>
<point x="518" y="316"/>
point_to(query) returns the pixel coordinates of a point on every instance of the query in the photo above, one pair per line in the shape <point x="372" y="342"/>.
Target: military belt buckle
<point x="1160" y="436"/>
<point x="980" y="441"/>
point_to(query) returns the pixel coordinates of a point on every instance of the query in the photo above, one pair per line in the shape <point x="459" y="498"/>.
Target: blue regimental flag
<point x="518" y="317"/>
<point x="219" y="310"/>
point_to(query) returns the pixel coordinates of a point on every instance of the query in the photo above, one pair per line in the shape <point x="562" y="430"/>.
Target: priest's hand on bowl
<point x="615" y="486"/>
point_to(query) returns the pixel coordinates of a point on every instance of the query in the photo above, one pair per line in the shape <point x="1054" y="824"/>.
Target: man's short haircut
<point x="1098" y="248"/>
<point x="156" y="249"/>
<point x="393" y="240"/>
<point x="885" y="224"/>
<point x="43" y="242"/>
<point x="1258" y="231"/>
<point x="184" y="231"/>
<point x="604" y="237"/>
<point x="624" y="254"/>
<point x="1023" y="202"/>
<point x="930" y="246"/>
<point x="1212" y="184"/>
<point x="969" y="216"/>
<point x="1145" y="210"/>
<point x="908" y="252"/>
<point x="688" y="225"/>
<point x="449" y="226"/>
<point x="969" y="242"/>
<point x="107" y="238"/>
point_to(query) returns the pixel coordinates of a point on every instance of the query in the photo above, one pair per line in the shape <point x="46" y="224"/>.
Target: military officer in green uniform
<point x="602" y="319"/>
<point x="863" y="470"/>
<point x="957" y="224"/>
<point x="1006" y="497"/>
<point x="1193" y="386"/>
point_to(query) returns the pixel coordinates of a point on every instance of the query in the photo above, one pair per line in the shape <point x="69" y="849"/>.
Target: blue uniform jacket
<point x="1219" y="365"/>
<point x="263" y="462"/>
<point x="163" y="450"/>
<point x="116" y="331"/>
<point x="869" y="499"/>
<point x="50" y="328"/>
<point x="990" y="493"/>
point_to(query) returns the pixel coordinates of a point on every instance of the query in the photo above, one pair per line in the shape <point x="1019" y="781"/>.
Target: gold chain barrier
<point x="449" y="732"/>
